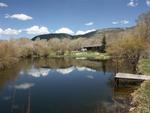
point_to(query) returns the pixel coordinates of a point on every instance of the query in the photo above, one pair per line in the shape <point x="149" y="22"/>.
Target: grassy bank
<point x="141" y="97"/>
<point x="88" y="55"/>
<point x="14" y="50"/>
<point x="11" y="58"/>
<point x="144" y="66"/>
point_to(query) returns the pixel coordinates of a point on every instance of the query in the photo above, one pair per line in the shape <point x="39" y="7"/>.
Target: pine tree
<point x="103" y="49"/>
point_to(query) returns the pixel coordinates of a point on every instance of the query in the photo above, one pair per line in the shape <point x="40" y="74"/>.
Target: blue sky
<point x="28" y="18"/>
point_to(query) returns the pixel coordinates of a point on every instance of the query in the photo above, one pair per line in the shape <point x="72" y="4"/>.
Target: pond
<point x="61" y="86"/>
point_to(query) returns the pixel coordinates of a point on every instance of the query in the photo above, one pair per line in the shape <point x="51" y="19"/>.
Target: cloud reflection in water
<point x="43" y="72"/>
<point x="24" y="86"/>
<point x="38" y="72"/>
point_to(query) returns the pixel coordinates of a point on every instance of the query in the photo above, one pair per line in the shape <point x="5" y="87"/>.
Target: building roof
<point x="93" y="45"/>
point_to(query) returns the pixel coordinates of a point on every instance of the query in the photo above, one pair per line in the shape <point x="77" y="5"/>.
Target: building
<point x="94" y="47"/>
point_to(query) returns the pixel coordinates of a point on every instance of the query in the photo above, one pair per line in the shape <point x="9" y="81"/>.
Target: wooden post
<point x="116" y="82"/>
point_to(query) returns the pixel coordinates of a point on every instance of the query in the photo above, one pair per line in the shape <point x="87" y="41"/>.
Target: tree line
<point x="130" y="45"/>
<point x="133" y="45"/>
<point x="11" y="51"/>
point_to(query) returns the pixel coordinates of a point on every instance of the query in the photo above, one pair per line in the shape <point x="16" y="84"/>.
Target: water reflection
<point x="42" y="72"/>
<point x="24" y="86"/>
<point x="41" y="86"/>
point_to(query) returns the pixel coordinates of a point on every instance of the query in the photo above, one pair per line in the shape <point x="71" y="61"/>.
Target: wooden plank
<point x="132" y="76"/>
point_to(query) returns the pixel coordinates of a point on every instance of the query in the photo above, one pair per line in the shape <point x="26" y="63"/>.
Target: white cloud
<point x="133" y="3"/>
<point x="122" y="22"/>
<point x="84" y="32"/>
<point x="64" y="30"/>
<point x="89" y="24"/>
<point x="3" y="5"/>
<point x="24" y="86"/>
<point x="148" y="3"/>
<point x="115" y="22"/>
<point x="22" y="17"/>
<point x="37" y="30"/>
<point x="1" y="30"/>
<point x="9" y="31"/>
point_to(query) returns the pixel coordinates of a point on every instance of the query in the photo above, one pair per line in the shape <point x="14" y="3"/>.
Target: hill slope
<point x="110" y="33"/>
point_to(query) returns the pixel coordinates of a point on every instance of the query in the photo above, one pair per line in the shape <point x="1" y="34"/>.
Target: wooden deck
<point x="132" y="76"/>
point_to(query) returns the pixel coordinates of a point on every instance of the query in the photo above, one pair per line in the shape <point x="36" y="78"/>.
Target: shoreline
<point x="7" y="63"/>
<point x="140" y="102"/>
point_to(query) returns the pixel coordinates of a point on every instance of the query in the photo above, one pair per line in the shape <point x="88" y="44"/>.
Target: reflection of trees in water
<point x="105" y="66"/>
<point x="11" y="74"/>
<point x="65" y="63"/>
<point x="25" y="106"/>
<point x="121" y="65"/>
<point x="109" y="65"/>
<point x="119" y="104"/>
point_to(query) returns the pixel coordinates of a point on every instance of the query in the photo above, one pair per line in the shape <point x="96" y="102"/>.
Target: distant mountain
<point x="63" y="35"/>
<point x="110" y="33"/>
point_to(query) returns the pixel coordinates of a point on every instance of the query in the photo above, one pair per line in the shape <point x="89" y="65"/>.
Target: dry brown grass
<point x="13" y="50"/>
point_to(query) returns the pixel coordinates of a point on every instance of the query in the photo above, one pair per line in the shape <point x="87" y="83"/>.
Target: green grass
<point x="144" y="66"/>
<point x="89" y="55"/>
<point x="141" y="97"/>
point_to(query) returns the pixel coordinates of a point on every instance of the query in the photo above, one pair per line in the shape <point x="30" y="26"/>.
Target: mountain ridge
<point x="110" y="34"/>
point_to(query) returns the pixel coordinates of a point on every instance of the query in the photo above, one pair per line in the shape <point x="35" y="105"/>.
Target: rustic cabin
<point x="94" y="47"/>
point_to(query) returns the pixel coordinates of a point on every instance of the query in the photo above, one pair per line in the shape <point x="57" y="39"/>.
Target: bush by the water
<point x="11" y="51"/>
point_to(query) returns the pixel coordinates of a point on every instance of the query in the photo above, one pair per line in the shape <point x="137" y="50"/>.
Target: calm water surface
<point x="61" y="86"/>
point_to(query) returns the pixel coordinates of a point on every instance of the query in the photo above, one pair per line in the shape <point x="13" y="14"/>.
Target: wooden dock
<point x="131" y="76"/>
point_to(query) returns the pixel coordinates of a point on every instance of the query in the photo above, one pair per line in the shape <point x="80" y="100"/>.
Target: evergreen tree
<point x="103" y="48"/>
